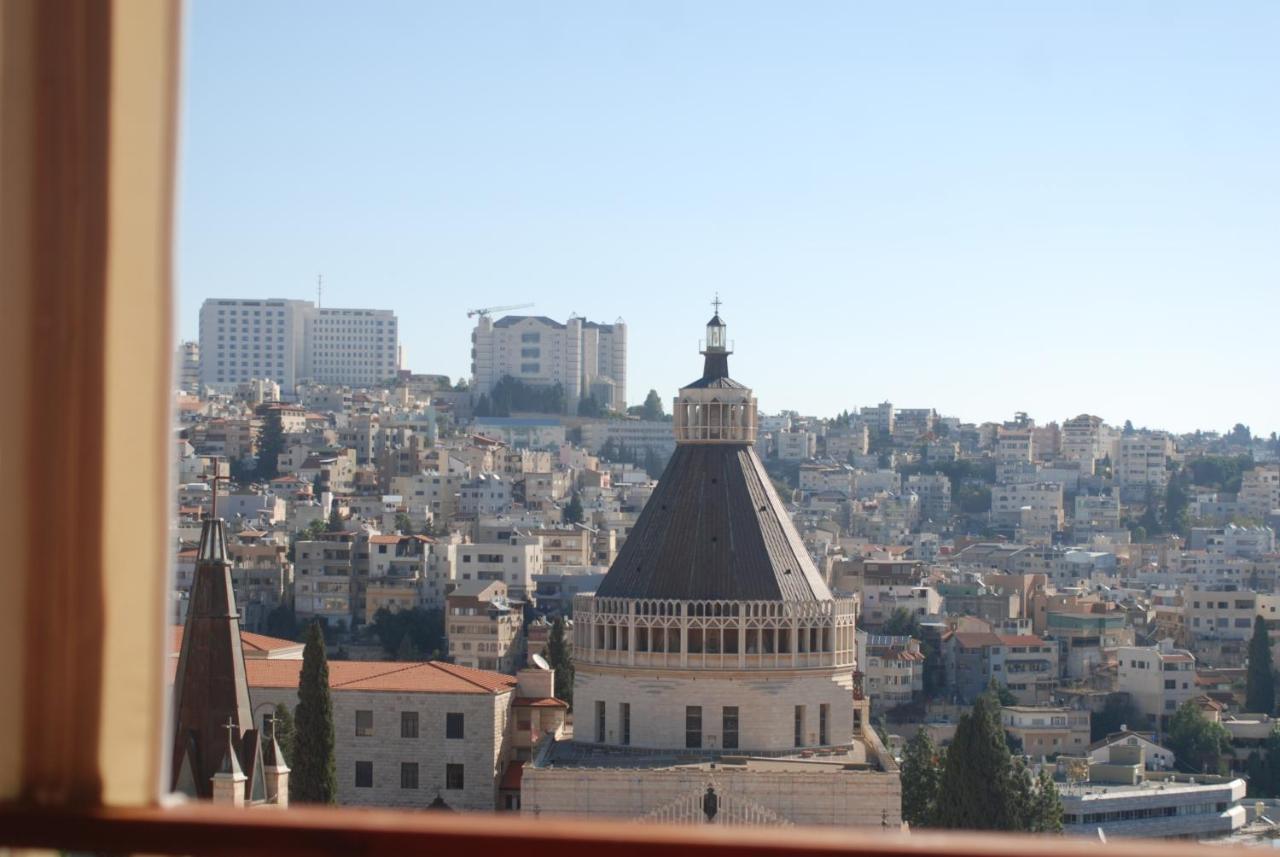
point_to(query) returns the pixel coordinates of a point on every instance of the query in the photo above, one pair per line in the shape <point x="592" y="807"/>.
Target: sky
<point x="978" y="207"/>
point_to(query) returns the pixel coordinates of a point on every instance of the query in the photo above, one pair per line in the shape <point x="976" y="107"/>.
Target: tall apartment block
<point x="188" y="366"/>
<point x="294" y="342"/>
<point x="584" y="357"/>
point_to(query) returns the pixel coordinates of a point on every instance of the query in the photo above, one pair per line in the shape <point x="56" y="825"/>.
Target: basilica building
<point x="714" y="669"/>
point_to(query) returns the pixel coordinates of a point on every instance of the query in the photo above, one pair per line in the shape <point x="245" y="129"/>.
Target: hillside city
<point x="453" y="593"/>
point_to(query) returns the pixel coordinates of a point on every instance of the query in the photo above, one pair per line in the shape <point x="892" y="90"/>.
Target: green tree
<point x="1260" y="688"/>
<point x="920" y="778"/>
<point x="281" y="622"/>
<point x="590" y="407"/>
<point x="284" y="732"/>
<point x="1240" y="435"/>
<point x="270" y="444"/>
<point x="483" y="407"/>
<point x="335" y="520"/>
<point x="652" y="408"/>
<point x="1200" y="745"/>
<point x="652" y="463"/>
<point x="901" y="623"/>
<point x="975" y="788"/>
<point x="1118" y="713"/>
<point x="1176" y="502"/>
<point x="314" y="778"/>
<point x="403" y="523"/>
<point x="573" y="512"/>
<point x="407" y="651"/>
<point x="559" y="659"/>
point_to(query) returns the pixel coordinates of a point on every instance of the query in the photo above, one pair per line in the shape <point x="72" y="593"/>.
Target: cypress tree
<point x="919" y="780"/>
<point x="974" y="791"/>
<point x="284" y="732"/>
<point x="560" y="661"/>
<point x="314" y="778"/>
<point x="270" y="445"/>
<point x="1260" y="693"/>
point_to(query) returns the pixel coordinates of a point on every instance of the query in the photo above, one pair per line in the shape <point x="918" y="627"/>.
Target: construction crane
<point x="489" y="309"/>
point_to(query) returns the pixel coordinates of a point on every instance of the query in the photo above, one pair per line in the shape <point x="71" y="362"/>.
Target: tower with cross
<point x="217" y="752"/>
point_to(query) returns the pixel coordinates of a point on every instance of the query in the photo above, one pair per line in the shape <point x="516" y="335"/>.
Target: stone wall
<point x="482" y="751"/>
<point x="765" y="700"/>
<point x="823" y="797"/>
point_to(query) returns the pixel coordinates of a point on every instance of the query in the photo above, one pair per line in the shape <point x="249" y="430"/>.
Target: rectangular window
<point x="530" y="368"/>
<point x="824" y="717"/>
<point x="624" y="721"/>
<point x="799" y="736"/>
<point x="453" y="777"/>
<point x="364" y="775"/>
<point x="600" y="721"/>
<point x="408" y="724"/>
<point x="729" y="727"/>
<point x="530" y="337"/>
<point x="453" y="726"/>
<point x="408" y="775"/>
<point x="364" y="723"/>
<point x="693" y="726"/>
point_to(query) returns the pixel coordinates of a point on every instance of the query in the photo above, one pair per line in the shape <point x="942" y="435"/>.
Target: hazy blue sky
<point x="980" y="207"/>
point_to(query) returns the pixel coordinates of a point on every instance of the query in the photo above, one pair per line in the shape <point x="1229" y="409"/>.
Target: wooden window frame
<point x="89" y="105"/>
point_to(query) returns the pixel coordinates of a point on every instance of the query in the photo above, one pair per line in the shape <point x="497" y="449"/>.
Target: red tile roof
<point x="427" y="677"/>
<point x="1020" y="640"/>
<point x="539" y="702"/>
<point x="250" y="641"/>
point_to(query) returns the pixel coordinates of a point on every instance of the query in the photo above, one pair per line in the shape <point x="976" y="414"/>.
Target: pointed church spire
<point x="210" y="690"/>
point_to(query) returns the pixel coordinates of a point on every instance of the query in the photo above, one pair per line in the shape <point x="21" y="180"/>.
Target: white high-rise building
<point x="292" y="342"/>
<point x="584" y="357"/>
<point x="188" y="369"/>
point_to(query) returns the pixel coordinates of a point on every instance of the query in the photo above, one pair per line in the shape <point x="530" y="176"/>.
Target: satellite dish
<point x="540" y="662"/>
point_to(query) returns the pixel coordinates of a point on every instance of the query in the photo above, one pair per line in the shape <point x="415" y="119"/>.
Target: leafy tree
<point x="462" y="386"/>
<point x="270" y="444"/>
<point x="335" y="520"/>
<point x="653" y="464"/>
<point x="974" y="499"/>
<point x="1118" y="712"/>
<point x="1264" y="768"/>
<point x="243" y="471"/>
<point x="1003" y="695"/>
<point x="1041" y="803"/>
<point x="590" y="407"/>
<point x="1260" y="693"/>
<point x="652" y="408"/>
<point x="282" y="623"/>
<point x="403" y="523"/>
<point x="1199" y="744"/>
<point x="407" y="651"/>
<point x="424" y="629"/>
<point x="314" y="778"/>
<point x="901" y="623"/>
<point x="1128" y="430"/>
<point x="483" y="407"/>
<point x="920" y="778"/>
<point x="559" y="659"/>
<point x="573" y="512"/>
<point x="1176" y="501"/>
<point x="1240" y="435"/>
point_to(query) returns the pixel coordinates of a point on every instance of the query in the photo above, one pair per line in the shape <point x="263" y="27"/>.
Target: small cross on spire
<point x="716" y="303"/>
<point x="217" y="475"/>
<point x="230" y="724"/>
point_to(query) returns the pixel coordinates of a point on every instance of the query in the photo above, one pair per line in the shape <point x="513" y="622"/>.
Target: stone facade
<point x="481" y="751"/>
<point x="797" y="792"/>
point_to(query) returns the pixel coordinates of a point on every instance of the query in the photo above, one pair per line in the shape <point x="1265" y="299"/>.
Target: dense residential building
<point x="1260" y="491"/>
<point x="1157" y="678"/>
<point x="1025" y="664"/>
<point x="292" y="342"/>
<point x="1047" y="731"/>
<point x="1082" y="441"/>
<point x="585" y="358"/>
<point x="892" y="670"/>
<point x="1142" y="464"/>
<point x="485" y="629"/>
<point x="188" y="369"/>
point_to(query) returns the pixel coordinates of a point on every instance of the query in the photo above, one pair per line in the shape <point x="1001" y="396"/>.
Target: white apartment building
<point x="632" y="434"/>
<point x="1157" y="678"/>
<point x="1142" y="463"/>
<point x="292" y="342"/>
<point x="1096" y="513"/>
<point x="796" y="445"/>
<point x="892" y="669"/>
<point x="1013" y="453"/>
<point x="816" y="477"/>
<point x="844" y="442"/>
<point x="1082" y="441"/>
<point x="484" y="628"/>
<point x="1035" y="507"/>
<point x="1260" y="491"/>
<point x="934" y="491"/>
<point x="879" y="418"/>
<point x="514" y="562"/>
<point x="1225" y="612"/>
<point x="586" y="358"/>
<point x="189" y="366"/>
<point x="1047" y="730"/>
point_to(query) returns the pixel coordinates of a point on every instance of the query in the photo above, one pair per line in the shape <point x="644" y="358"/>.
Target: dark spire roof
<point x="714" y="529"/>
<point x="210" y="686"/>
<point x="715" y="321"/>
